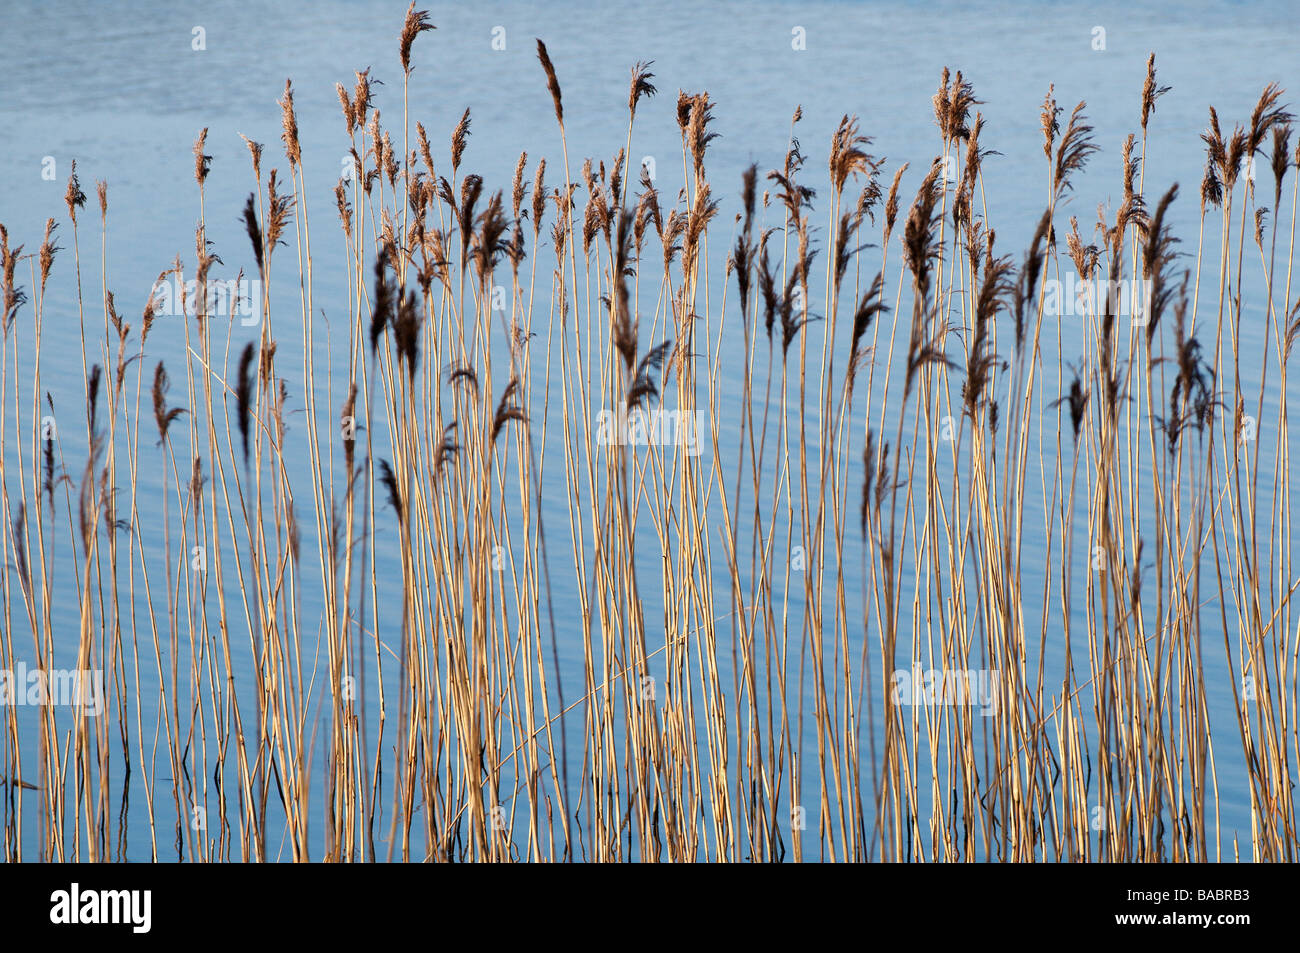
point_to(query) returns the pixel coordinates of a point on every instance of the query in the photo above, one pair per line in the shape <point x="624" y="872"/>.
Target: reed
<point x="344" y="640"/>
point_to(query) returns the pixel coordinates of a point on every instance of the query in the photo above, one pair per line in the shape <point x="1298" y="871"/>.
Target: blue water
<point x="122" y="91"/>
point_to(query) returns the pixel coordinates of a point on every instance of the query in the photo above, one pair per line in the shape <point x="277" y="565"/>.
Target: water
<point x="124" y="93"/>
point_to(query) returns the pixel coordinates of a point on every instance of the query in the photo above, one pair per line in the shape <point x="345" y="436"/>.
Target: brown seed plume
<point x="697" y="135"/>
<point x="1151" y="92"/>
<point x="517" y="188"/>
<point x="1281" y="158"/>
<point x="847" y="156"/>
<point x="345" y="209"/>
<point x="277" y="219"/>
<point x="552" y="83"/>
<point x="1050" y="120"/>
<point x="254" y="231"/>
<point x="919" y="230"/>
<point x="162" y="415"/>
<point x="1076" y="146"/>
<point x="390" y="483"/>
<point x="244" y="394"/>
<point x="891" y="202"/>
<point x="202" y="162"/>
<point x="74" y="198"/>
<point x="290" y="123"/>
<point x="48" y="249"/>
<point x="255" y="150"/>
<point x="361" y="97"/>
<point x="507" y="410"/>
<point x="416" y="22"/>
<point x="458" y="140"/>
<point x="14" y="296"/>
<point x="1266" y="116"/>
<point x="539" y="197"/>
<point x="641" y="86"/>
<point x="422" y="141"/>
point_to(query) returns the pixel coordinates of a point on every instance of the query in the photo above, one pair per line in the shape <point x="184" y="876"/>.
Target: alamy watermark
<point x="1126" y="297"/>
<point x="229" y="297"/>
<point x="82" y="689"/>
<point x="958" y="687"/>
<point x="651" y="428"/>
<point x="88" y="905"/>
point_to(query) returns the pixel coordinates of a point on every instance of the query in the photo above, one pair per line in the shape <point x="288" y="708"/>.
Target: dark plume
<point x="244" y="394"/>
<point x="552" y="83"/>
<point x="162" y="415"/>
<point x="390" y="483"/>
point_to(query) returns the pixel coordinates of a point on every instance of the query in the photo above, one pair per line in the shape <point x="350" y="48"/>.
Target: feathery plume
<point x="202" y="162"/>
<point x="416" y="22"/>
<point x="14" y="296"/>
<point x="1050" y="120"/>
<point x="74" y="198"/>
<point x="1076" y="146"/>
<point x="254" y="231"/>
<point x="1151" y="92"/>
<point x="458" y="139"/>
<point x="507" y="410"/>
<point x="290" y="123"/>
<point x="641" y="86"/>
<point x="552" y="83"/>
<point x="162" y="415"/>
<point x="390" y="483"/>
<point x="244" y="394"/>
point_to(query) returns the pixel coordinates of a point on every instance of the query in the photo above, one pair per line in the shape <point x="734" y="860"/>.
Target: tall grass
<point x="735" y="692"/>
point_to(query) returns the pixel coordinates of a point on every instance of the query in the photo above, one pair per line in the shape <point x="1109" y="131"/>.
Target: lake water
<point x="124" y="93"/>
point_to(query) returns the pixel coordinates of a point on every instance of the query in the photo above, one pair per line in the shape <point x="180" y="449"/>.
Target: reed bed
<point x="341" y="640"/>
